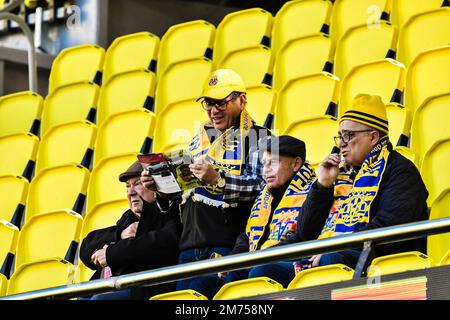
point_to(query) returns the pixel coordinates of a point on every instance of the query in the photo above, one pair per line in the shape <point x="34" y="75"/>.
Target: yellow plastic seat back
<point x="49" y="235"/>
<point x="399" y="262"/>
<point x="302" y="57"/>
<point x="434" y="169"/>
<point x="313" y="14"/>
<point x="321" y="275"/>
<point x="57" y="188"/>
<point x="439" y="244"/>
<point x="300" y="100"/>
<point x="427" y="77"/>
<point x="9" y="236"/>
<point x="399" y="119"/>
<point x="13" y="197"/>
<point x="129" y="131"/>
<point x="83" y="273"/>
<point x="130" y="52"/>
<point x="104" y="185"/>
<point x="185" y="41"/>
<point x="261" y="101"/>
<point x="18" y="154"/>
<point x="75" y="64"/>
<point x="423" y="32"/>
<point x="3" y="285"/>
<point x="384" y="78"/>
<point x="177" y="125"/>
<point x="41" y="275"/>
<point x="180" y="295"/>
<point x="254" y="64"/>
<point x="364" y="44"/>
<point x="403" y="10"/>
<point x="126" y="91"/>
<point x="445" y="259"/>
<point x="430" y="124"/>
<point x="351" y="13"/>
<point x="319" y="145"/>
<point x="71" y="143"/>
<point x="230" y="37"/>
<point x="182" y="81"/>
<point x="247" y="287"/>
<point x="70" y="103"/>
<point x="19" y="113"/>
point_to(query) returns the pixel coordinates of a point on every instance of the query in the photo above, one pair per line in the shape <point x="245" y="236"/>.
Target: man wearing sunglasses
<point x="227" y="161"/>
<point x="367" y="186"/>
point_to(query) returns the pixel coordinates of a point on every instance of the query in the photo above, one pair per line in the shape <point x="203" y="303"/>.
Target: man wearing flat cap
<point x="226" y="160"/>
<point x="367" y="186"/>
<point x="274" y="214"/>
<point x="144" y="238"/>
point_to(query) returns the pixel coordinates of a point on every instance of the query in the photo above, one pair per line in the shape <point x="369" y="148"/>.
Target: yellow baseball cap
<point x="221" y="83"/>
<point x="369" y="110"/>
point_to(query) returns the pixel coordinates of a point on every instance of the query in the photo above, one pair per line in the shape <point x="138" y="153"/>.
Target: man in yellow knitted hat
<point x="367" y="185"/>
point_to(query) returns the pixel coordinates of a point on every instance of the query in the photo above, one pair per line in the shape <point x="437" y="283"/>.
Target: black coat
<point x="401" y="199"/>
<point x="155" y="245"/>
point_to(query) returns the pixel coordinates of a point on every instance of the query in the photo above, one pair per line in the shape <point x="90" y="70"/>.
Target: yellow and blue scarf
<point x="284" y="220"/>
<point x="353" y="199"/>
<point x="225" y="154"/>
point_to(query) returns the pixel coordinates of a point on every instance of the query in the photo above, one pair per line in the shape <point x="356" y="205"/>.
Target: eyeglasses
<point x="347" y="136"/>
<point x="220" y="105"/>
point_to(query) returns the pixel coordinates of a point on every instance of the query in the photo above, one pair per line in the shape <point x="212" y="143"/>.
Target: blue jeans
<point x="192" y="255"/>
<point x="347" y="257"/>
<point x="116" y="295"/>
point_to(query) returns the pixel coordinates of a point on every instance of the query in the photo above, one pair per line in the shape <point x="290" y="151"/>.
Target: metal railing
<point x="240" y="261"/>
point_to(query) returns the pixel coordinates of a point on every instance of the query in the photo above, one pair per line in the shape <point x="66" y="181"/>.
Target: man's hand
<point x="315" y="260"/>
<point x="130" y="231"/>
<point x="329" y="170"/>
<point x="222" y="275"/>
<point x="204" y="172"/>
<point x="99" y="257"/>
<point x="147" y="180"/>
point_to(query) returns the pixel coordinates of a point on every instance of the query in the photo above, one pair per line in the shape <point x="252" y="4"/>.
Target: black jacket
<point x="155" y="245"/>
<point x="401" y="199"/>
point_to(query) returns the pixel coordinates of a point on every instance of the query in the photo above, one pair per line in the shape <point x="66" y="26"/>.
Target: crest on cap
<point x="213" y="81"/>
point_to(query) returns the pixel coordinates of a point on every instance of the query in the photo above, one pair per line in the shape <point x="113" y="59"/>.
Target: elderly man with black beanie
<point x="273" y="217"/>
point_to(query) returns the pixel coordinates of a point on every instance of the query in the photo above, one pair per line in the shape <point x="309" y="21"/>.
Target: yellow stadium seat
<point x="314" y="16"/>
<point x="351" y="13"/>
<point x="182" y="81"/>
<point x="9" y="235"/>
<point x="186" y="41"/>
<point x="254" y="64"/>
<point x="126" y="91"/>
<point x="70" y="103"/>
<point x="3" y="285"/>
<point x="129" y="131"/>
<point x="131" y="52"/>
<point x="70" y="143"/>
<point x="403" y="10"/>
<point x="434" y="169"/>
<point x="439" y="244"/>
<point x="230" y="37"/>
<point x="104" y="215"/>
<point x="49" y="235"/>
<point x="427" y="76"/>
<point x="319" y="145"/>
<point x="74" y="64"/>
<point x="301" y="57"/>
<point x="302" y="98"/>
<point x="321" y="275"/>
<point x="20" y="112"/>
<point x="408" y="154"/>
<point x="430" y="124"/>
<point x="83" y="273"/>
<point x="41" y="275"/>
<point x="180" y="295"/>
<point x="399" y="262"/>
<point x="385" y="78"/>
<point x="261" y="101"/>
<point x="174" y="131"/>
<point x="248" y="287"/>
<point x="423" y="32"/>
<point x="18" y="154"/>
<point x="364" y="44"/>
<point x="104" y="185"/>
<point x="445" y="259"/>
<point x="57" y="188"/>
<point x="399" y="119"/>
<point x="13" y="196"/>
